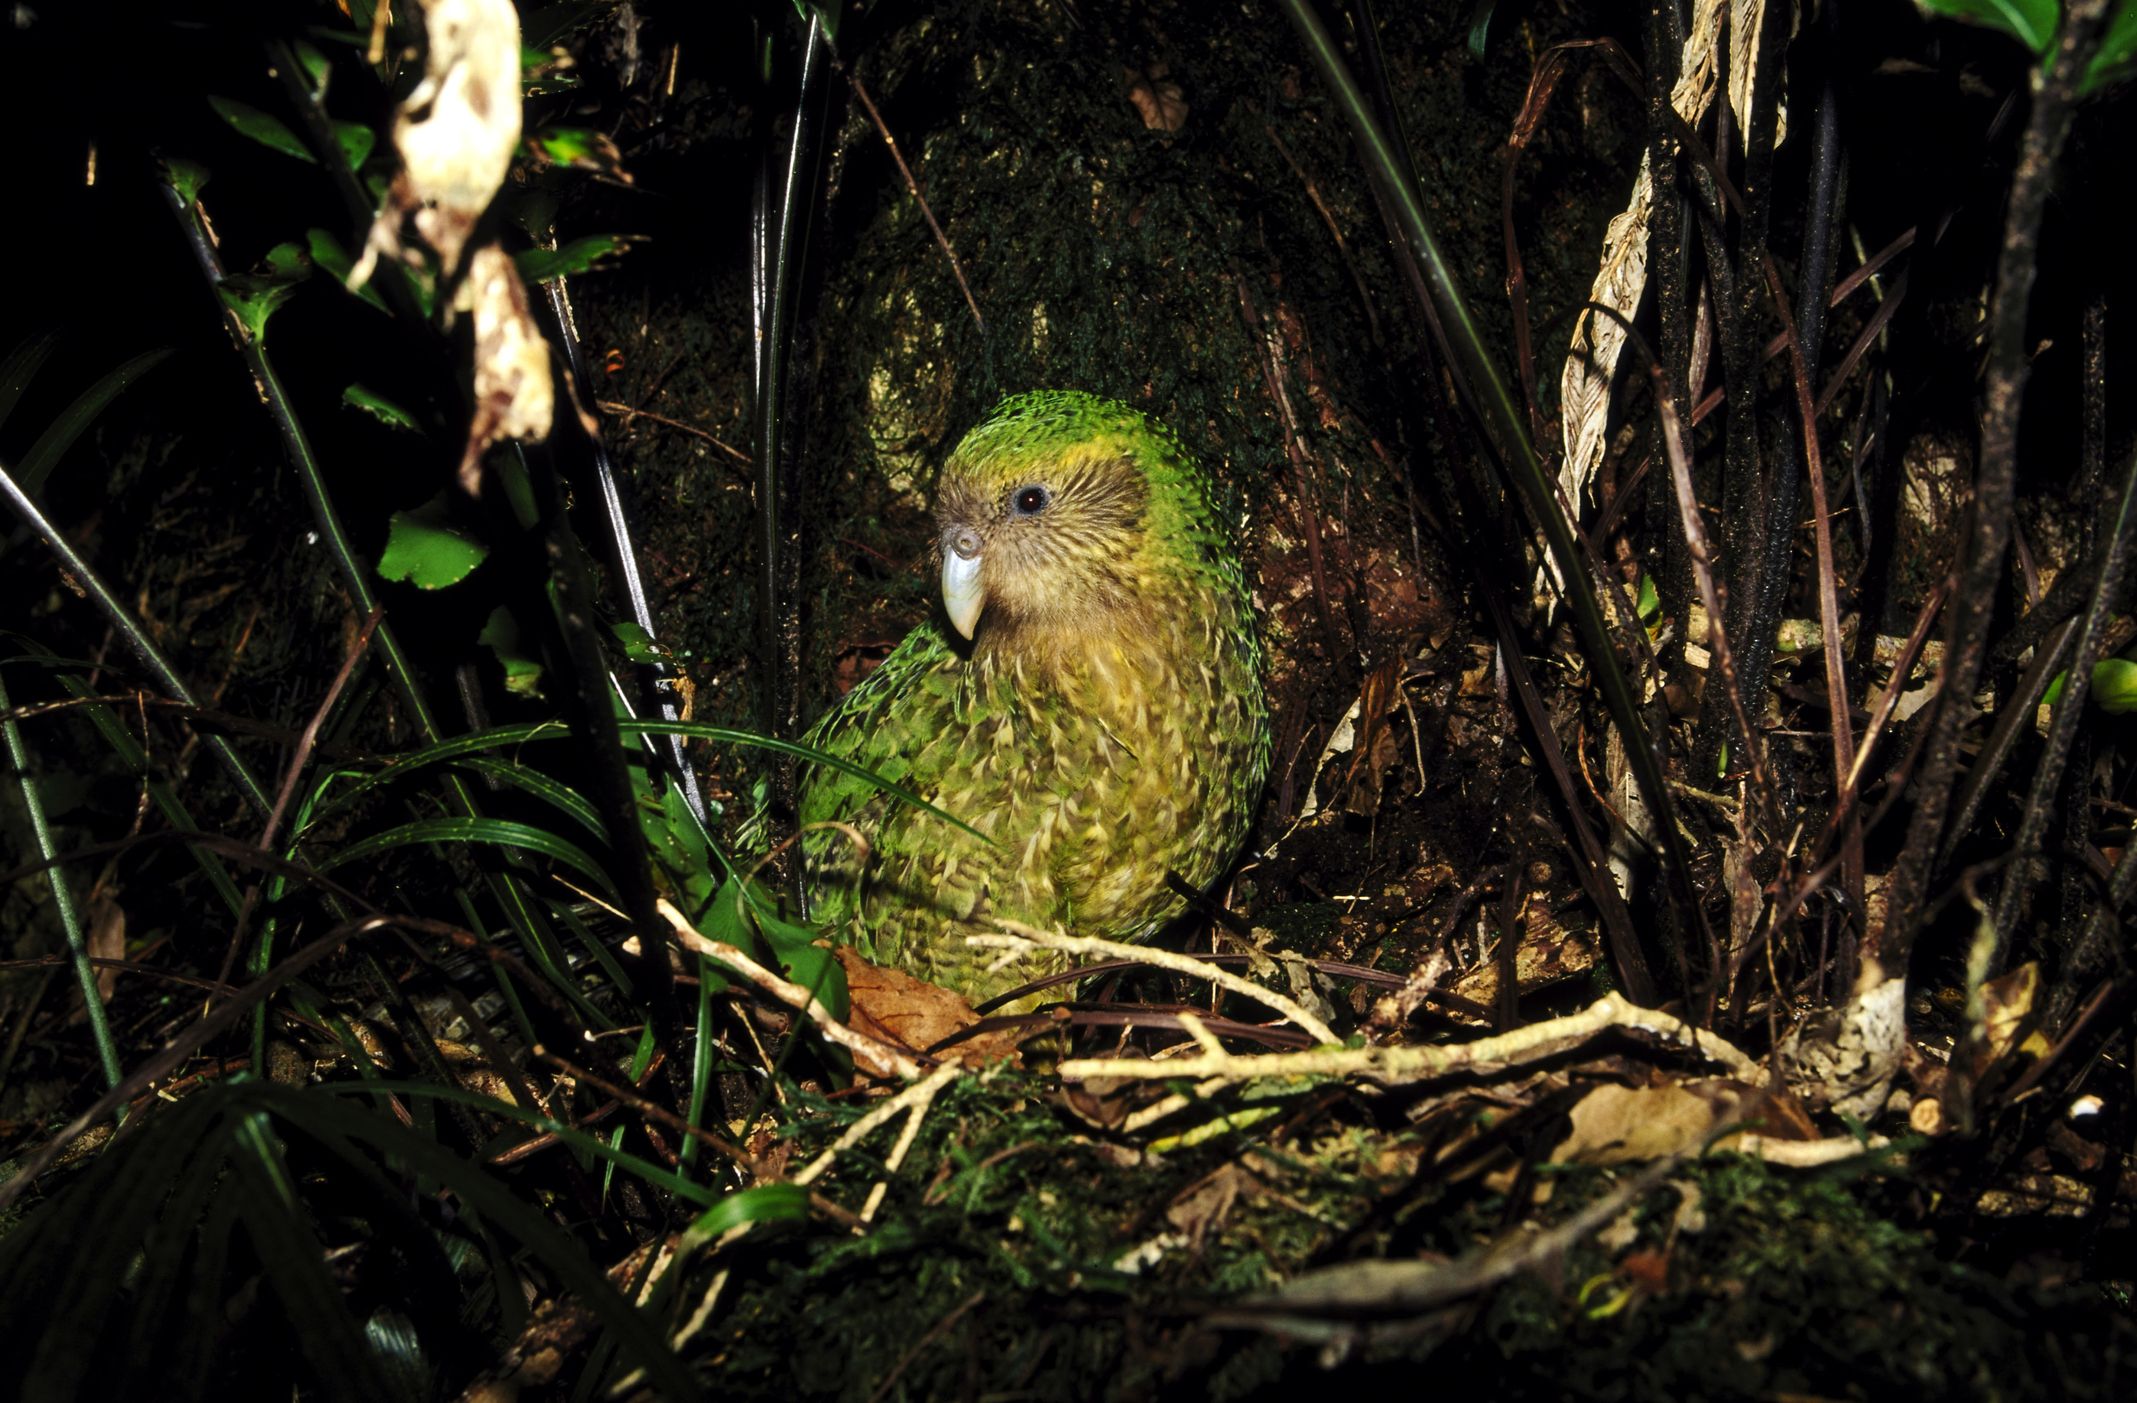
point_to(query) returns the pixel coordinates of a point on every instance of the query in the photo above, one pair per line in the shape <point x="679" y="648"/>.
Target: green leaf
<point x="826" y="10"/>
<point x="21" y="365"/>
<point x="356" y="141"/>
<point x="1650" y="603"/>
<point x="185" y="177"/>
<point x="1480" y="26"/>
<point x="334" y="260"/>
<point x="44" y="455"/>
<point x="2114" y="686"/>
<point x="523" y="672"/>
<point x="746" y="918"/>
<point x="539" y="265"/>
<point x="255" y="296"/>
<point x="378" y="407"/>
<point x="577" y="148"/>
<point x="638" y="645"/>
<point x="270" y="131"/>
<point x="424" y="548"/>
<point x="2118" y="49"/>
<point x="495" y="831"/>
<point x="2030" y="22"/>
<point x="317" y="69"/>
<point x="766" y="1203"/>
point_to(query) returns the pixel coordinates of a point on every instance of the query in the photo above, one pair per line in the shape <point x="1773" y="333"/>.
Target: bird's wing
<point x="882" y="726"/>
<point x="903" y="724"/>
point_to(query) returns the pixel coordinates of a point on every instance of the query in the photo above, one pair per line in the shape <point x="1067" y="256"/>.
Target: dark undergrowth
<point x="348" y="1047"/>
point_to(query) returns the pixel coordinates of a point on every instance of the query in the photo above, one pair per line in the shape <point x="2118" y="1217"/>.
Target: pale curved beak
<point x="962" y="596"/>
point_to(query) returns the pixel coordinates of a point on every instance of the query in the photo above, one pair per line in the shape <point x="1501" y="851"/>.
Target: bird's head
<point x="1055" y="514"/>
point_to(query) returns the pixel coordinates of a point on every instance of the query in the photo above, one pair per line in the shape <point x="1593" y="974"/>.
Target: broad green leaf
<point x="356" y="141"/>
<point x="523" y="672"/>
<point x="2118" y="49"/>
<point x="255" y="296"/>
<point x="427" y="550"/>
<point x="747" y="919"/>
<point x="638" y="645"/>
<point x="317" y="69"/>
<point x="1650" y="603"/>
<point x="2114" y="686"/>
<point x="21" y="364"/>
<point x="185" y="177"/>
<point x="268" y="130"/>
<point x="378" y="407"/>
<point x="334" y="260"/>
<point x="44" y="455"/>
<point x="539" y="265"/>
<point x="2030" y="22"/>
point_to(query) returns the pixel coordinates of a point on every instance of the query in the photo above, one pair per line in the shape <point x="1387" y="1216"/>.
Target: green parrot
<point x="1090" y="699"/>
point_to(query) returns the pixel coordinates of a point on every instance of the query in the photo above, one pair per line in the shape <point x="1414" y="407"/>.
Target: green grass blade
<point x="52" y="445"/>
<point x="70" y="919"/>
<point x="21" y="365"/>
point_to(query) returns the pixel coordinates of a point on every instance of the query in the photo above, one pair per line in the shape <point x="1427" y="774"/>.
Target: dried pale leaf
<point x="457" y="132"/>
<point x="1846" y="1058"/>
<point x="2007" y="1005"/>
<point x="1747" y="21"/>
<point x="1592" y="359"/>
<point x="107" y="940"/>
<point x="514" y="395"/>
<point x="1341" y="741"/>
<point x="1616" y="1124"/>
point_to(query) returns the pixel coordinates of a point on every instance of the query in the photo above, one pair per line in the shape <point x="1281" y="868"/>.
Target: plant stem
<point x="70" y="919"/>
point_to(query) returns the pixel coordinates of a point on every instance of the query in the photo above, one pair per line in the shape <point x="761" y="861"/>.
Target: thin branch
<point x="942" y="240"/>
<point x="1020" y="937"/>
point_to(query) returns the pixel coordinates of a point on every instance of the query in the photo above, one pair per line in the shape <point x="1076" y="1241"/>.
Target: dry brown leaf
<point x="894" y="1007"/>
<point x="1616" y="1124"/>
<point x="1549" y="953"/>
<point x="2007" y="1009"/>
<point x="1158" y="101"/>
<point x="1205" y="1205"/>
<point x="107" y="940"/>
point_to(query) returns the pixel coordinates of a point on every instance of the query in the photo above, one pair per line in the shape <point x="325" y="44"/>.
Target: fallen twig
<point x="803" y="1001"/>
<point x="1020" y="937"/>
<point x="1394" y="1066"/>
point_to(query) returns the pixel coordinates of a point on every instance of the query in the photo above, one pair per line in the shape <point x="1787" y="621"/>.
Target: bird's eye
<point x="1030" y="501"/>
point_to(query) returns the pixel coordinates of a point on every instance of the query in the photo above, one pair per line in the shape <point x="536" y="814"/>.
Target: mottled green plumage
<point x="1105" y="724"/>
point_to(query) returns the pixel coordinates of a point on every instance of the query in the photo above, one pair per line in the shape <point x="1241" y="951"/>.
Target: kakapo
<point x="1090" y="698"/>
